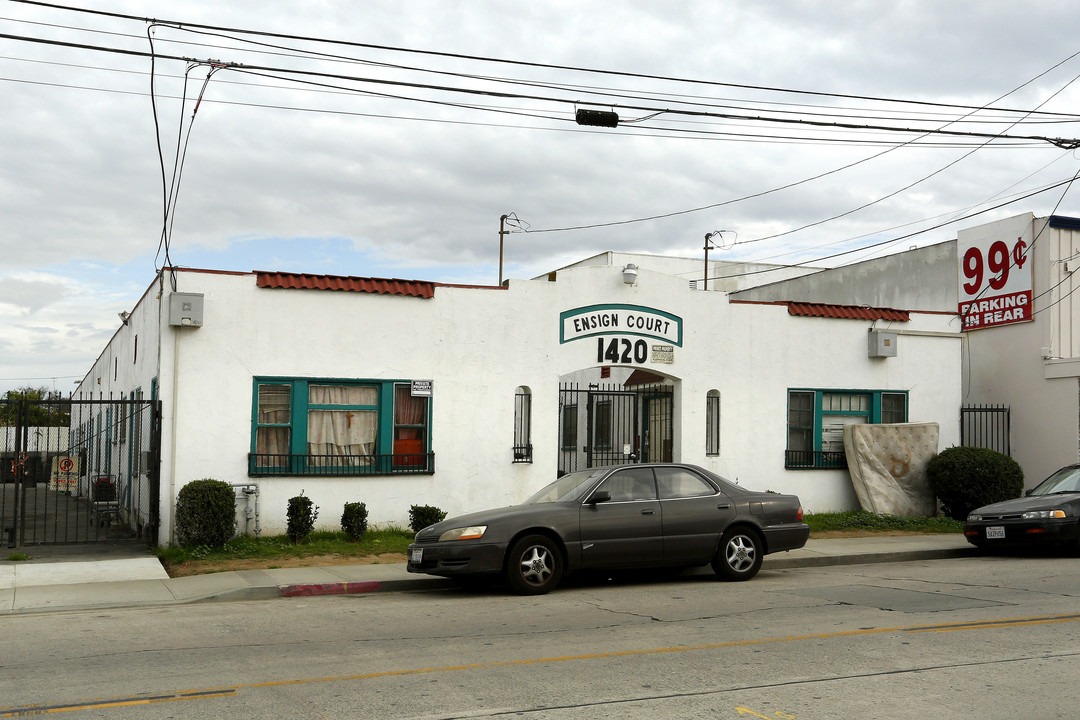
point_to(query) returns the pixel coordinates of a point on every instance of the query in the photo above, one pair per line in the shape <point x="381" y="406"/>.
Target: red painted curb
<point x="341" y="588"/>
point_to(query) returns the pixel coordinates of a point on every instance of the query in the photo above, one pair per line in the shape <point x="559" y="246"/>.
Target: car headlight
<point x="473" y="532"/>
<point x="974" y="518"/>
<point x="1042" y="514"/>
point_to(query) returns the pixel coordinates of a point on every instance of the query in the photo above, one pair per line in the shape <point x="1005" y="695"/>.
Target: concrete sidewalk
<point x="95" y="582"/>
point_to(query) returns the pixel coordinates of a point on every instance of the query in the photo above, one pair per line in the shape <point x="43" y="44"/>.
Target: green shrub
<point x="864" y="520"/>
<point x="301" y="514"/>
<point x="964" y="478"/>
<point x="205" y="513"/>
<point x="354" y="520"/>
<point x="420" y="516"/>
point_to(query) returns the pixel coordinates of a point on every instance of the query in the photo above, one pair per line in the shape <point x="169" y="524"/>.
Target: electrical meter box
<point x="186" y="309"/>
<point x="882" y="344"/>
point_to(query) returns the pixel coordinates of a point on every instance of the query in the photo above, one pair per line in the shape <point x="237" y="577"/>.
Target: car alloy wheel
<point x="534" y="565"/>
<point x="739" y="555"/>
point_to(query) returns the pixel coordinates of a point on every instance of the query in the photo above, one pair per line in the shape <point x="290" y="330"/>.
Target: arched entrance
<point x="615" y="416"/>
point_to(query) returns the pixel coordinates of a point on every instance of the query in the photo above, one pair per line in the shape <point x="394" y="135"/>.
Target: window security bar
<point x="814" y="459"/>
<point x="523" y="453"/>
<point x="263" y="464"/>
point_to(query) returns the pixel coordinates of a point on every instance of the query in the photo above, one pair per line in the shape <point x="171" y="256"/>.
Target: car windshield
<point x="1066" y="479"/>
<point x="568" y="487"/>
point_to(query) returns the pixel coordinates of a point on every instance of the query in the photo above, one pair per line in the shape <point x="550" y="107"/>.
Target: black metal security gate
<point x="79" y="471"/>
<point x="601" y="425"/>
<point x="985" y="426"/>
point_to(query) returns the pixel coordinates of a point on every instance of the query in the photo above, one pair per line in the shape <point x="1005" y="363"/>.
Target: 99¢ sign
<point x="995" y="276"/>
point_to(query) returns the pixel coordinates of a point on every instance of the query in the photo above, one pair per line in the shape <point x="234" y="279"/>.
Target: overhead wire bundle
<point x="460" y="88"/>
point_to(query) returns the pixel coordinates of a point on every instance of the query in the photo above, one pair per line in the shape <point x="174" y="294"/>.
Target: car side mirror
<point x="599" y="496"/>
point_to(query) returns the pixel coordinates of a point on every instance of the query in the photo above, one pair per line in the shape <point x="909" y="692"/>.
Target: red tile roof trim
<point x="381" y="286"/>
<point x="847" y="312"/>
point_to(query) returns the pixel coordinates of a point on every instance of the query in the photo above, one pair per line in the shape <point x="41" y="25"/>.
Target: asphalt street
<point x="943" y="637"/>
<point x="58" y="583"/>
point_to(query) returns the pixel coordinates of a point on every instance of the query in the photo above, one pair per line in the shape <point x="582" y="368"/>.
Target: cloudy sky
<point x="814" y="132"/>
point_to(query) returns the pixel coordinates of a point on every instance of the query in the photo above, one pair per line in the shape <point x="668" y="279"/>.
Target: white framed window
<point x="712" y="423"/>
<point x="522" y="425"/>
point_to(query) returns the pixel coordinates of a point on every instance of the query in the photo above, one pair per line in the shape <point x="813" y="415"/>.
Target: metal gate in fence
<point x="985" y="426"/>
<point x="79" y="471"/>
<point x="602" y="425"/>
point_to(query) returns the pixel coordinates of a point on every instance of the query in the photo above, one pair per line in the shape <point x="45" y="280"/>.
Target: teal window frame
<point x="879" y="404"/>
<point x="299" y="405"/>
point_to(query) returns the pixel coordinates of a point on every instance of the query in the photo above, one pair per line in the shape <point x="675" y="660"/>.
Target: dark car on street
<point x="615" y="518"/>
<point x="1048" y="515"/>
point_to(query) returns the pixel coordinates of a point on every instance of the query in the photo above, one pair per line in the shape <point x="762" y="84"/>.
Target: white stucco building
<point x="1013" y="285"/>
<point x="399" y="393"/>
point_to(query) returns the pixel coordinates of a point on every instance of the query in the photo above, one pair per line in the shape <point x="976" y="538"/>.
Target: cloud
<point x="280" y="175"/>
<point x="28" y="296"/>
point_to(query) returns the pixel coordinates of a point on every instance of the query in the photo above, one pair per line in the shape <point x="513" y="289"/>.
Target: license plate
<point x="418" y="555"/>
<point x="995" y="532"/>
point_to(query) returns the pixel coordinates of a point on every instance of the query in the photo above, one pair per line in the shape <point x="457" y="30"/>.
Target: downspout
<point x="172" y="434"/>
<point x="163" y="497"/>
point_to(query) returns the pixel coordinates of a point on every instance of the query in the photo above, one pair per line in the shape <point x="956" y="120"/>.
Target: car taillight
<point x="798" y="513"/>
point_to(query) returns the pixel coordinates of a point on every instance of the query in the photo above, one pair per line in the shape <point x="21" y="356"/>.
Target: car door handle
<point x="725" y="506"/>
<point x="648" y="512"/>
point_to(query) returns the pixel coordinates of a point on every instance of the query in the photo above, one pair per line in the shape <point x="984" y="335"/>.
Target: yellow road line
<point x="126" y="701"/>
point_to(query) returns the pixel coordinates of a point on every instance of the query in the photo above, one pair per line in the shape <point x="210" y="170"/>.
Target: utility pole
<point x="502" y="235"/>
<point x="708" y="246"/>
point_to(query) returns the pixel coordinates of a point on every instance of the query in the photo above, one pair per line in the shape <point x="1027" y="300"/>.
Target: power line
<point x="189" y="27"/>
<point x="910" y="185"/>
<point x="908" y="236"/>
<point x="604" y="92"/>
<point x="1068" y="143"/>
<point x="880" y="199"/>
<point x="517" y="96"/>
<point x="653" y="132"/>
<point x="487" y="59"/>
<point x="803" y="108"/>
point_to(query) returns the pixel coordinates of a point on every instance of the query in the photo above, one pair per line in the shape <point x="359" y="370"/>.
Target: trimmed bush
<point x="301" y="515"/>
<point x="205" y="513"/>
<point x="354" y="520"/>
<point x="964" y="478"/>
<point x="420" y="516"/>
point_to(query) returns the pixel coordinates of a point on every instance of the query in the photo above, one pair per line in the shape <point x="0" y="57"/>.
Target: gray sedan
<point x="637" y="516"/>
<point x="1049" y="515"/>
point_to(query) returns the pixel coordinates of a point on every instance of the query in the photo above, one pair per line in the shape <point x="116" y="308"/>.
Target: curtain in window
<point x="272" y="443"/>
<point x="409" y="410"/>
<point x="273" y="404"/>
<point x="333" y="435"/>
<point x="272" y="446"/>
<point x="337" y="433"/>
<point x="342" y="395"/>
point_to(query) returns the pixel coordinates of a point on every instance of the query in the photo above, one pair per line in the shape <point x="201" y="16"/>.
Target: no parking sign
<point x="65" y="473"/>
